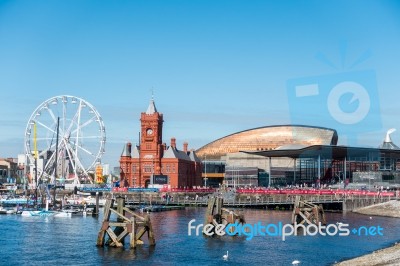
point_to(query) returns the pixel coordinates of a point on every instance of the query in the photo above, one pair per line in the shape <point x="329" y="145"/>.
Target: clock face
<point x="149" y="131"/>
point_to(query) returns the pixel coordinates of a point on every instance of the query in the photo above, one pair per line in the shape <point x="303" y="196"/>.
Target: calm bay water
<point x="72" y="241"/>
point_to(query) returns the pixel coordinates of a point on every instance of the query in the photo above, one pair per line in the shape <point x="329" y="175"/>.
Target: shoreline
<point x="384" y="256"/>
<point x="386" y="209"/>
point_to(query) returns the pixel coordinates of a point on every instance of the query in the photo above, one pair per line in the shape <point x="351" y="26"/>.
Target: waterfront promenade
<point x="386" y="256"/>
<point x="258" y="198"/>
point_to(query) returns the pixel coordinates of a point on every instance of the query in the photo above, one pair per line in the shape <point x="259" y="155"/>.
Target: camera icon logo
<point x="347" y="102"/>
<point x="358" y="94"/>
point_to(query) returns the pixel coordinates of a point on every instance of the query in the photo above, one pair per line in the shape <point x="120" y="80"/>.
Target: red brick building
<point x="153" y="158"/>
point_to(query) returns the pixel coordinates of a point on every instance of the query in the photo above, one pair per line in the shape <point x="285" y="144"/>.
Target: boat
<point x="73" y="210"/>
<point x="89" y="200"/>
<point x="34" y="212"/>
<point x="92" y="201"/>
<point x="14" y="201"/>
<point x="45" y="213"/>
<point x="63" y="214"/>
<point x="7" y="210"/>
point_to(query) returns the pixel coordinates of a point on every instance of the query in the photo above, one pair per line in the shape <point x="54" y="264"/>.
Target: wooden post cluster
<point x="216" y="214"/>
<point x="135" y="226"/>
<point x="307" y="213"/>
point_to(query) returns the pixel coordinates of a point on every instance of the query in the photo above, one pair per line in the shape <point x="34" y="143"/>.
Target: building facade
<point x="226" y="150"/>
<point x="8" y="170"/>
<point x="152" y="162"/>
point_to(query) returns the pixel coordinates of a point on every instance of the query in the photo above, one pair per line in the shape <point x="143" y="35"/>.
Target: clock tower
<point x="151" y="149"/>
<point x="152" y="158"/>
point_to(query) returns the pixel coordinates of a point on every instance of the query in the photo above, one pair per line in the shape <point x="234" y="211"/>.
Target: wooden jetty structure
<point x="346" y="201"/>
<point x="305" y="212"/>
<point x="216" y="214"/>
<point x="135" y="226"/>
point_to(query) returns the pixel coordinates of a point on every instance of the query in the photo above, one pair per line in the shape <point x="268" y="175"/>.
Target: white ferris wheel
<point x="76" y="149"/>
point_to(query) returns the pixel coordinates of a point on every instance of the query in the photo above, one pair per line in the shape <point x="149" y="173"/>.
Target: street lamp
<point x="152" y="175"/>
<point x="369" y="181"/>
<point x="205" y="170"/>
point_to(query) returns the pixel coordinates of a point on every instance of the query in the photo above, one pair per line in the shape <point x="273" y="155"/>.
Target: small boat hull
<point x="7" y="210"/>
<point x="32" y="213"/>
<point x="44" y="213"/>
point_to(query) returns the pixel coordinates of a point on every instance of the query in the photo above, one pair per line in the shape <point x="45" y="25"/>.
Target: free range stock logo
<point x="346" y="101"/>
<point x="281" y="230"/>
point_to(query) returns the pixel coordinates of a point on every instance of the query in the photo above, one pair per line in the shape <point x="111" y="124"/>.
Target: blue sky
<point x="216" y="67"/>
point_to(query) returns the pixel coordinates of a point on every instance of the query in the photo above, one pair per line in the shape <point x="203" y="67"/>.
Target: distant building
<point x="8" y="170"/>
<point x="153" y="162"/>
<point x="234" y="166"/>
<point x="21" y="168"/>
<point x="106" y="169"/>
<point x="116" y="170"/>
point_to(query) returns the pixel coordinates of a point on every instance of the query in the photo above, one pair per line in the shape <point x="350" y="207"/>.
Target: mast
<point x="36" y="158"/>
<point x="55" y="174"/>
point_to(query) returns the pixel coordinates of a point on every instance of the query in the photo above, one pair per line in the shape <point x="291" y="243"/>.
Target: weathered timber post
<point x="96" y="211"/>
<point x="135" y="226"/>
<point x="216" y="214"/>
<point x="305" y="212"/>
<point x="210" y="210"/>
<point x="105" y="224"/>
<point x="120" y="209"/>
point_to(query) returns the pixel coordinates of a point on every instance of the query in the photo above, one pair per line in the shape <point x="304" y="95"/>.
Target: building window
<point x="168" y="169"/>
<point x="147" y="168"/>
<point x="173" y="168"/>
<point x="148" y="146"/>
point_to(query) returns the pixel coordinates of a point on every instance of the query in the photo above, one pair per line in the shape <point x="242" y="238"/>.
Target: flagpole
<point x="55" y="172"/>
<point x="36" y="158"/>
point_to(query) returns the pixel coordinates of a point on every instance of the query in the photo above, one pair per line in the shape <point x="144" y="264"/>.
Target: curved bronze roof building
<point x="268" y="138"/>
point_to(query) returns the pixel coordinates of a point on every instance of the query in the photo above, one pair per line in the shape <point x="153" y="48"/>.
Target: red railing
<point x="315" y="192"/>
<point x="119" y="189"/>
<point x="195" y="190"/>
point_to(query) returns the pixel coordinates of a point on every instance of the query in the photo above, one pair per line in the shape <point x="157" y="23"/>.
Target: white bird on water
<point x="295" y="262"/>
<point x="225" y="257"/>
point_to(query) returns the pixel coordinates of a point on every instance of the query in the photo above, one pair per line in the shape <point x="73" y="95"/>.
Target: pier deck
<point x="348" y="202"/>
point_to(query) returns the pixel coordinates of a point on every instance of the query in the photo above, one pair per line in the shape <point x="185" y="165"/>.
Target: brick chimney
<point x="173" y="143"/>
<point x="185" y="147"/>
<point x="129" y="147"/>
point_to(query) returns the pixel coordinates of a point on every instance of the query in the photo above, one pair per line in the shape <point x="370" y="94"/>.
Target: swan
<point x="295" y="262"/>
<point x="225" y="257"/>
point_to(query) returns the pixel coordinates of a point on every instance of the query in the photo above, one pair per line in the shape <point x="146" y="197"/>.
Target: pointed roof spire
<point x="388" y="143"/>
<point x="152" y="107"/>
<point x="126" y="151"/>
<point x="390" y="131"/>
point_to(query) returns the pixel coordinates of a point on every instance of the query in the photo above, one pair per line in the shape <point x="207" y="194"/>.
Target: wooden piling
<point x="216" y="214"/>
<point x="307" y="213"/>
<point x="135" y="226"/>
<point x="96" y="211"/>
<point x="105" y="224"/>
